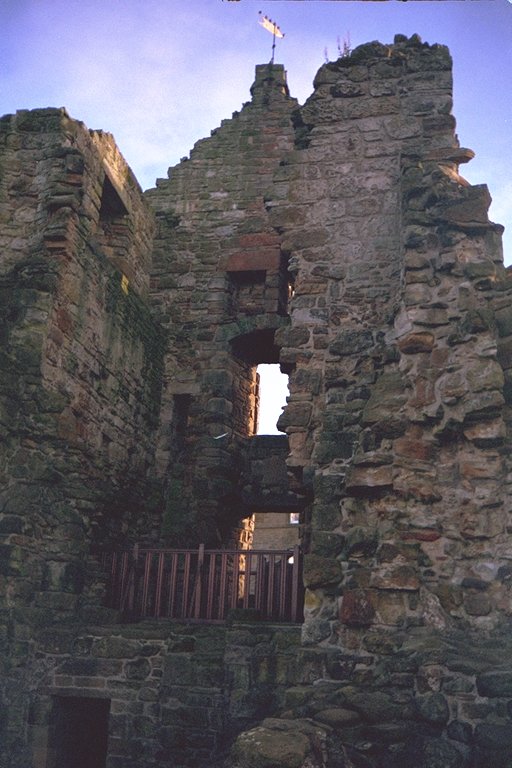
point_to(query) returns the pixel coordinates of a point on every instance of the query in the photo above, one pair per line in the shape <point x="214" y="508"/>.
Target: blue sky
<point x="161" y="74"/>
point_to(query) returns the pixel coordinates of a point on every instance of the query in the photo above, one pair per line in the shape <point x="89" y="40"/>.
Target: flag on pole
<point x="270" y="25"/>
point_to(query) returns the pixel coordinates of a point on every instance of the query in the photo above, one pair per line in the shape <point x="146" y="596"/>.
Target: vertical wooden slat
<point x="260" y="581"/>
<point x="186" y="585"/>
<point x="159" y="585"/>
<point x="146" y="581"/>
<point x="202" y="584"/>
<point x="271" y="585"/>
<point x="125" y="567"/>
<point x="236" y="577"/>
<point x="247" y="578"/>
<point x="131" y="575"/>
<point x="113" y="583"/>
<point x="129" y="569"/>
<point x="119" y="579"/>
<point x="211" y="586"/>
<point x="282" y="586"/>
<point x="123" y="581"/>
<point x="277" y="586"/>
<point x="223" y="583"/>
<point x="295" y="584"/>
<point x="197" y="593"/>
<point x="173" y="580"/>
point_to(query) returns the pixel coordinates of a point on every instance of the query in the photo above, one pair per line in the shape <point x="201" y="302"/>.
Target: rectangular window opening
<point x="273" y="394"/>
<point x="111" y="206"/>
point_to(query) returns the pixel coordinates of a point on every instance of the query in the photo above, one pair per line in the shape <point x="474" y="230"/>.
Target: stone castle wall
<point x="177" y="694"/>
<point x="218" y="285"/>
<point x="400" y="325"/>
<point x="402" y="308"/>
<point x="339" y="240"/>
<point x="80" y="385"/>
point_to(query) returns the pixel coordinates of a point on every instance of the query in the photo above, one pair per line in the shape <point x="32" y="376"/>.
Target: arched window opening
<point x="273" y="393"/>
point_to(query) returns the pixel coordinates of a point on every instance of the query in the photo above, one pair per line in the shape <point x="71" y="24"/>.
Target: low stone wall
<point x="178" y="694"/>
<point x="250" y="695"/>
<point x="418" y="700"/>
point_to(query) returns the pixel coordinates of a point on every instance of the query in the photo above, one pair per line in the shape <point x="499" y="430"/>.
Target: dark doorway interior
<point x="78" y="733"/>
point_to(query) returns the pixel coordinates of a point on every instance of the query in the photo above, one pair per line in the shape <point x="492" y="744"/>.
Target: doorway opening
<point x="254" y="354"/>
<point x="78" y="734"/>
<point x="273" y="393"/>
<point x="276" y="530"/>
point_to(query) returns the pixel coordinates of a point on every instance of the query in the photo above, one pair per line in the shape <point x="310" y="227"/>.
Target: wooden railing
<point x="206" y="584"/>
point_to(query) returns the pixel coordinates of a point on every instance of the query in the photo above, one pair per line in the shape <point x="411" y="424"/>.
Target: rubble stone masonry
<point x="337" y="239"/>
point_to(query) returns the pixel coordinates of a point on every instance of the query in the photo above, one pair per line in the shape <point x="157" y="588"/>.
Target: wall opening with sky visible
<point x="273" y="390"/>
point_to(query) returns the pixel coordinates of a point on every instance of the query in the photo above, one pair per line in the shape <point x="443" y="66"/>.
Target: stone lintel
<point x="264" y="260"/>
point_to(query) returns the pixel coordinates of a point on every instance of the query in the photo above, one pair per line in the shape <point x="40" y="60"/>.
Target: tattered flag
<point x="270" y="25"/>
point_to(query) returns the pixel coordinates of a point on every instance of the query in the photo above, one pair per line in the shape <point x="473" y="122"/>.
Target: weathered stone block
<point x="351" y="342"/>
<point x="320" y="571"/>
<point x="373" y="706"/>
<point x="276" y="742"/>
<point x="138" y="669"/>
<point x="433" y="708"/>
<point x="482" y="405"/>
<point x="495" y="736"/>
<point x="477" y="604"/>
<point x="337" y="717"/>
<point x="363" y="479"/>
<point x="326" y="516"/>
<point x="458" y="730"/>
<point x="115" y="648"/>
<point x="429" y="752"/>
<point x="495" y="683"/>
<point x="357" y="608"/>
<point x="401" y="578"/>
<point x="326" y="544"/>
<point x="421" y="341"/>
<point x="361" y="541"/>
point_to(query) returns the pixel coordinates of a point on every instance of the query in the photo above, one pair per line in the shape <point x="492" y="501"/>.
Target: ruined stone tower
<point x="338" y="240"/>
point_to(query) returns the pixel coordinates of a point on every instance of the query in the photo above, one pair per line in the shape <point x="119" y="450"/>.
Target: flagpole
<point x="272" y="27"/>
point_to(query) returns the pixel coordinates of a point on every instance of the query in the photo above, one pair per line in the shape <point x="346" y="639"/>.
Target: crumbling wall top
<point x="269" y="77"/>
